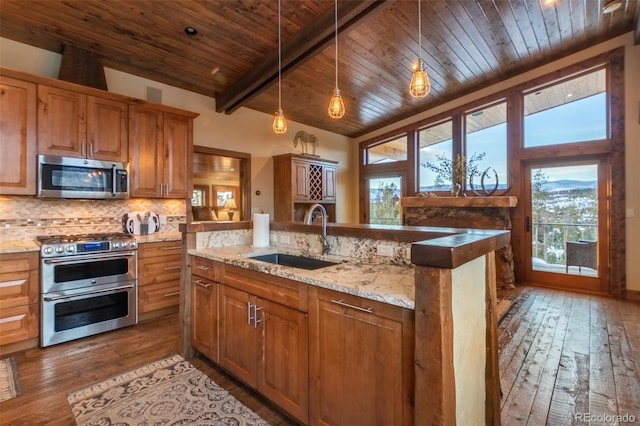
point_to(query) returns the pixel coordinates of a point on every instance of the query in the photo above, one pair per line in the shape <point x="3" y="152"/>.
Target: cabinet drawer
<point x="164" y="248"/>
<point x="18" y="289"/>
<point x="206" y="268"/>
<point x="159" y="269"/>
<point x="158" y="296"/>
<point x="19" y="323"/>
<point x="280" y="290"/>
<point x="14" y="262"/>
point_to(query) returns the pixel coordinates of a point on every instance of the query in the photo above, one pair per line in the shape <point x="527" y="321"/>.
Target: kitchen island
<point x="412" y="327"/>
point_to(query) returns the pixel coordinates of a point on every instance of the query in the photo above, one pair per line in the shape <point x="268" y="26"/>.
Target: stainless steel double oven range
<point x="89" y="285"/>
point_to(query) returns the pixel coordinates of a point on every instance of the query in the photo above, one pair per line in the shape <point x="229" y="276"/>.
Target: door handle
<point x="527" y="224"/>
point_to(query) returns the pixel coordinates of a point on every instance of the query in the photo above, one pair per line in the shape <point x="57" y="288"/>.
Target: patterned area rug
<point x="9" y="385"/>
<point x="167" y="392"/>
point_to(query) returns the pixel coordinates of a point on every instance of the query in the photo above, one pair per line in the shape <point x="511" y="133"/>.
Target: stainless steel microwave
<point x="67" y="177"/>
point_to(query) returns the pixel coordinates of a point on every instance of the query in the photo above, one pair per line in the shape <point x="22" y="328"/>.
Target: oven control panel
<point x="61" y="248"/>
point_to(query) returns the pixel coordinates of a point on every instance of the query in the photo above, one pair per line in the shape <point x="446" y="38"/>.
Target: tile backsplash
<point x="27" y="217"/>
<point x="364" y="249"/>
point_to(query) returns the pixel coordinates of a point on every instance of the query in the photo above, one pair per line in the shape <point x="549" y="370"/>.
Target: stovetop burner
<point x="85" y="244"/>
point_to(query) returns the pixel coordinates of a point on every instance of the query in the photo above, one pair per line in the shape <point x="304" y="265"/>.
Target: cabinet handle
<point x="201" y="284"/>
<point x="91" y="149"/>
<point x="14" y="283"/>
<point x="160" y="187"/>
<point x="82" y="149"/>
<point x="255" y="316"/>
<point x="177" y="293"/>
<point x="166" y="189"/>
<point x="347" y="305"/>
<point x="173" y="268"/>
<point x="249" y="317"/>
<point x="204" y="268"/>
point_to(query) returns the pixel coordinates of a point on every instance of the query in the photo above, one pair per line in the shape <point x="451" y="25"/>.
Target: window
<point x="388" y="151"/>
<point x="435" y="144"/>
<point x="572" y="111"/>
<point x="384" y="200"/>
<point x="486" y="145"/>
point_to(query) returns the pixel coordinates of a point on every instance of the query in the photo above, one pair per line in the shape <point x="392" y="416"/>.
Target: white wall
<point x="469" y="341"/>
<point x="632" y="130"/>
<point x="245" y="130"/>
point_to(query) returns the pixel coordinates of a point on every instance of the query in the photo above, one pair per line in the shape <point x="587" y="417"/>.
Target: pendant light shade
<point x="420" y="85"/>
<point x="336" y="105"/>
<point x="279" y="122"/>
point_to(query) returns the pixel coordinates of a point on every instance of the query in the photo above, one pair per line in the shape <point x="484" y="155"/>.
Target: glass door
<point x="383" y="200"/>
<point x="566" y="227"/>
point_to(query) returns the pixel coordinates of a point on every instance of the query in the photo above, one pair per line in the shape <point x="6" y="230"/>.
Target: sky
<point x="581" y="120"/>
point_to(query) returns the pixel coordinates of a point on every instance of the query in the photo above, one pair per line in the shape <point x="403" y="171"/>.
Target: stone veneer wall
<point x="27" y="217"/>
<point x="363" y="249"/>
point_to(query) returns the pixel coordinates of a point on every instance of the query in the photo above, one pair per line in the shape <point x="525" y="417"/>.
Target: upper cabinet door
<point x="178" y="151"/>
<point x="17" y="137"/>
<point x="61" y="122"/>
<point x="145" y="152"/>
<point x="107" y="130"/>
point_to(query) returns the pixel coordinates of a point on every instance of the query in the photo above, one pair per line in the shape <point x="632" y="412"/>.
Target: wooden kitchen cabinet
<point x="17" y="137"/>
<point x="75" y="124"/>
<point x="302" y="181"/>
<point x="264" y="342"/>
<point x="160" y="147"/>
<point x="19" y="301"/>
<point x="361" y="365"/>
<point x="159" y="269"/>
<point x="204" y="306"/>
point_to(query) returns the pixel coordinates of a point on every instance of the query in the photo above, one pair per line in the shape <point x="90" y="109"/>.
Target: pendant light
<point x="336" y="106"/>
<point x="279" y="122"/>
<point x="420" y="85"/>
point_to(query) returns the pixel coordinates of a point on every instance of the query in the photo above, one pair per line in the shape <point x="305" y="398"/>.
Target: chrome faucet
<point x="308" y="218"/>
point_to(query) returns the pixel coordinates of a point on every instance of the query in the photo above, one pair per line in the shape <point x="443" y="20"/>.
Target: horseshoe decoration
<point x="483" y="191"/>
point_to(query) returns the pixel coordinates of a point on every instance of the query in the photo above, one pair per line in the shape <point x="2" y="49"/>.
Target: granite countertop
<point x="386" y="283"/>
<point x="19" y="246"/>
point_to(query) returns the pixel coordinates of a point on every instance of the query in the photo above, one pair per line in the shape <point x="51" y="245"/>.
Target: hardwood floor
<point x="561" y="355"/>
<point x="47" y="375"/>
<point x="566" y="356"/>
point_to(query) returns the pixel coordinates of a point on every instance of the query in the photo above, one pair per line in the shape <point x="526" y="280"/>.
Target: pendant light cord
<point x="419" y="32"/>
<point x="279" y="61"/>
<point x="336" y="24"/>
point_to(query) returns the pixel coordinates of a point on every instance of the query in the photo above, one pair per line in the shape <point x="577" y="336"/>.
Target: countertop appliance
<point x="141" y="223"/>
<point x="67" y="177"/>
<point x="89" y="285"/>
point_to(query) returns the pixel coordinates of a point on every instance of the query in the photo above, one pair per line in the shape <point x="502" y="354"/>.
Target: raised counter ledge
<point x="384" y="283"/>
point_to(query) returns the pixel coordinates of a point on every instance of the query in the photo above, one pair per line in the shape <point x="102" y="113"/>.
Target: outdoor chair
<point x="582" y="253"/>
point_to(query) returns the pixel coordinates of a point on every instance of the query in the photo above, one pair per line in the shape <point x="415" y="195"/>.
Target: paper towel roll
<point x="260" y="230"/>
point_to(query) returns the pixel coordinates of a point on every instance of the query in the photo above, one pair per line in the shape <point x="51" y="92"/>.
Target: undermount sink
<point x="292" y="260"/>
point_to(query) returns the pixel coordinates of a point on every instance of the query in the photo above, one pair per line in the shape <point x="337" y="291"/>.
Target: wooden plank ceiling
<point x="466" y="44"/>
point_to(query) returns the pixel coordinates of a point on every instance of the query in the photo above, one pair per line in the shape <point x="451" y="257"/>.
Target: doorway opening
<point x="221" y="185"/>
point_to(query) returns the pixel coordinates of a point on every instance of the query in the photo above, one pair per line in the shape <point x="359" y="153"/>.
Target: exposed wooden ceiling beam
<point x="307" y="42"/>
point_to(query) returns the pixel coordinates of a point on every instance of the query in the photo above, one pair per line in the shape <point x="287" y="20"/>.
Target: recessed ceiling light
<point x="190" y="31"/>
<point x="611" y="6"/>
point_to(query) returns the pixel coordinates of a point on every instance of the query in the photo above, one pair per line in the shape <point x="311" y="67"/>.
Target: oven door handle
<point x="87" y="293"/>
<point x="89" y="259"/>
